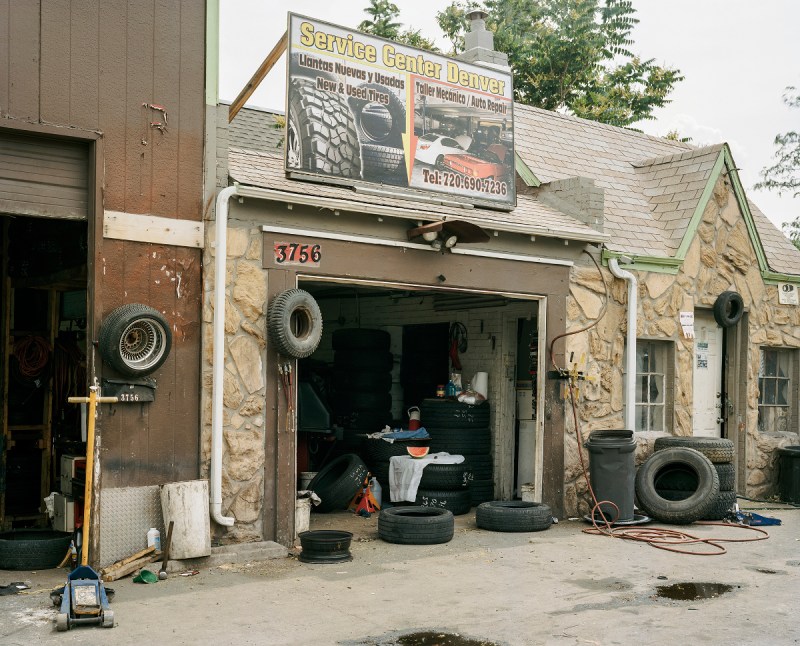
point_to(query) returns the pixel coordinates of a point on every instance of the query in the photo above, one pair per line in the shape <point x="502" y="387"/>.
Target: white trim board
<point x="141" y="227"/>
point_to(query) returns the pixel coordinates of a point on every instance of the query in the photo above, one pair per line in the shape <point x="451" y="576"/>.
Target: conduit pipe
<point x="218" y="356"/>
<point x="630" y="355"/>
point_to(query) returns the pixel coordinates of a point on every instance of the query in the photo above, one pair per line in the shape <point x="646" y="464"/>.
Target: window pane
<point x="770" y="363"/>
<point x="657" y="389"/>
<point x="760" y="390"/>
<point x="641" y="357"/>
<point x="784" y="361"/>
<point x="641" y="389"/>
<point x="641" y="418"/>
<point x="782" y="392"/>
<point x="769" y="392"/>
<point x="656" y="418"/>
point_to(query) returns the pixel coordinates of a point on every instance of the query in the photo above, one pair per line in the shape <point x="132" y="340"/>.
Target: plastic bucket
<point x="186" y="503"/>
<point x="305" y="478"/>
<point x="302" y="515"/>
<point x="612" y="471"/>
<point x="789" y="473"/>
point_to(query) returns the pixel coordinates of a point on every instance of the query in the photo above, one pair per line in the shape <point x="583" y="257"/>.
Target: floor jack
<point x="84" y="601"/>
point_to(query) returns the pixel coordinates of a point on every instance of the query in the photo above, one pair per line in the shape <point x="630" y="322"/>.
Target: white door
<point x="707" y="374"/>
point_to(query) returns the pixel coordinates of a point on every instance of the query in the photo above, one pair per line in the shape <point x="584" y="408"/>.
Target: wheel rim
<point x="141" y="345"/>
<point x="293" y="151"/>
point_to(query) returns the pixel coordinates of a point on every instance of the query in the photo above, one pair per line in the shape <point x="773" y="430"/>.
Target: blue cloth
<point x="419" y="434"/>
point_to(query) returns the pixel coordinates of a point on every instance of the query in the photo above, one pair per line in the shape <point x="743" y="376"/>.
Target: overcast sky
<point x="737" y="57"/>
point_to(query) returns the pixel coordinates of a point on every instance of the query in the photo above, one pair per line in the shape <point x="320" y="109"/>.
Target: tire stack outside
<point x="362" y="381"/>
<point x="720" y="452"/>
<point x="463" y="429"/>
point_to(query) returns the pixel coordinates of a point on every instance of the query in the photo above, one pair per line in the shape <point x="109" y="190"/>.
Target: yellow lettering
<point x="306" y="34"/>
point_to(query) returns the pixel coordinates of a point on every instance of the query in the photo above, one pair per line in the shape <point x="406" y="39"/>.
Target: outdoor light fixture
<point x="450" y="242"/>
<point x="430" y="236"/>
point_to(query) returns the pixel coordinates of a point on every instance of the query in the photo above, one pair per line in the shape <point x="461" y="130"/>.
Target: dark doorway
<point x="425" y="361"/>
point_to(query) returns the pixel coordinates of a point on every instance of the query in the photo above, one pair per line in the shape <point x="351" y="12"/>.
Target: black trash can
<point x="789" y="473"/>
<point x="612" y="471"/>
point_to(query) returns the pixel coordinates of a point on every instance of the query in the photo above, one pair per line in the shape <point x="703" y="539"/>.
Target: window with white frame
<point x="652" y="379"/>
<point x="776" y="383"/>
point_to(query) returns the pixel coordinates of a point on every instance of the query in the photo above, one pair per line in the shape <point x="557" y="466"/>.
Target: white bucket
<point x="480" y="384"/>
<point x="305" y="478"/>
<point x="186" y="503"/>
<point x="302" y="515"/>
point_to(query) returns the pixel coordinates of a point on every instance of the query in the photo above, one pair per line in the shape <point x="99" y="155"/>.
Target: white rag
<point x="405" y="473"/>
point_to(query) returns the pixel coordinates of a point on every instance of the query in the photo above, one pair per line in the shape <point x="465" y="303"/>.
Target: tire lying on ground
<point x="722" y="506"/>
<point x="666" y="466"/>
<point x="727" y="476"/>
<point x="416" y="525"/>
<point x="458" y="501"/>
<point x="513" y="516"/>
<point x="338" y="481"/>
<point x="718" y="450"/>
<point x="32" y="549"/>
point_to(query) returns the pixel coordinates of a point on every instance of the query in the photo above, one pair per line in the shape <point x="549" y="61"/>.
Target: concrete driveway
<point x="560" y="586"/>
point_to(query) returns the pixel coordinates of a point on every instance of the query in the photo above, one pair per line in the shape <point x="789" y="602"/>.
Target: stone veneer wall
<point x="244" y="382"/>
<point x="720" y="258"/>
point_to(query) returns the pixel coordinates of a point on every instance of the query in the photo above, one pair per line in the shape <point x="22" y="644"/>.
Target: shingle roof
<point x="651" y="185"/>
<point x="265" y="170"/>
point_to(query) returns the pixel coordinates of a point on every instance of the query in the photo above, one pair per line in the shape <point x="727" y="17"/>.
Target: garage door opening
<point x="386" y="349"/>
<point x="43" y="322"/>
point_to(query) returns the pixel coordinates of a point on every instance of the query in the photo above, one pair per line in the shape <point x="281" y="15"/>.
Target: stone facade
<point x="244" y="384"/>
<point x="721" y="257"/>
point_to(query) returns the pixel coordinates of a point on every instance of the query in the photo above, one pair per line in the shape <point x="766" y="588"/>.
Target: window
<point x="651" y="385"/>
<point x="775" y="391"/>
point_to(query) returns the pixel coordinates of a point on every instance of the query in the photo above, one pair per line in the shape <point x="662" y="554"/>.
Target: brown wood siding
<point x="92" y="66"/>
<point x="392" y="264"/>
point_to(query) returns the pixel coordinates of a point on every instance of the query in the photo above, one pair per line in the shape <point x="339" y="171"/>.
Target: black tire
<point x="723" y="505"/>
<point x="366" y="421"/>
<point x="719" y="451"/>
<point x="135" y="339"/>
<point x="513" y="516"/>
<point x="359" y="339"/>
<point x="362" y="400"/>
<point x="325" y="546"/>
<point x="481" y="491"/>
<point x="375" y="381"/>
<point x="385" y="124"/>
<point x="727" y="477"/>
<point x="294" y="323"/>
<point x="321" y="134"/>
<point x="445" y="477"/>
<point x="33" y="549"/>
<point x="416" y="525"/>
<point x="458" y="502"/>
<point x="658" y="467"/>
<point x="382" y="160"/>
<point x="481" y="466"/>
<point x="377" y="451"/>
<point x="338" y="481"/>
<point x="354" y="362"/>
<point x="460" y="441"/>
<point x="728" y="309"/>
<point x="440" y="413"/>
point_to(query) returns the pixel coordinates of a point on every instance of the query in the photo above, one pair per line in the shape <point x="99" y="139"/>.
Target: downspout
<point x="630" y="356"/>
<point x="218" y="356"/>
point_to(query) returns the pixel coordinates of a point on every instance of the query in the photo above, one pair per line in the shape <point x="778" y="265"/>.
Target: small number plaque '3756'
<point x="295" y="253"/>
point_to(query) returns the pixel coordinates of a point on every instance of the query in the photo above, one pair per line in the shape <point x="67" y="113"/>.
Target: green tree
<point x="572" y="55"/>
<point x="784" y="175"/>
<point x="383" y="22"/>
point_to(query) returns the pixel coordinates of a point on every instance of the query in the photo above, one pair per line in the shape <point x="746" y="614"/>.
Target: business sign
<point x="368" y="109"/>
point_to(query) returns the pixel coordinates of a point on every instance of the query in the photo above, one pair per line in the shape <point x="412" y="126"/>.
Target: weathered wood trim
<point x="152" y="228"/>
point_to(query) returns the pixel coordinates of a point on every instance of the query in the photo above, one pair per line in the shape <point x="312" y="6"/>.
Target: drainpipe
<point x="218" y="357"/>
<point x="630" y="357"/>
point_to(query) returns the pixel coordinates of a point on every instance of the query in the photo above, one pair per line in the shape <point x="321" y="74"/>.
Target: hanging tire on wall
<point x="687" y="504"/>
<point x="321" y="133"/>
<point x="338" y="481"/>
<point x="728" y="309"/>
<point x="135" y="339"/>
<point x="513" y="516"/>
<point x="294" y="323"/>
<point x="416" y="525"/>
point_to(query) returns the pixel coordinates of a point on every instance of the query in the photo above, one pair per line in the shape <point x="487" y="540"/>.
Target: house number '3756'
<point x="294" y="253"/>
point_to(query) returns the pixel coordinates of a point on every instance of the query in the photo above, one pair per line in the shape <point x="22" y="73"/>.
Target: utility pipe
<point x="218" y="356"/>
<point x="630" y="356"/>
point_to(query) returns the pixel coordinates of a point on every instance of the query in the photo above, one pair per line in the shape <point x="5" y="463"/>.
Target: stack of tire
<point x="362" y="380"/>
<point x="463" y="429"/>
<point x="688" y="479"/>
